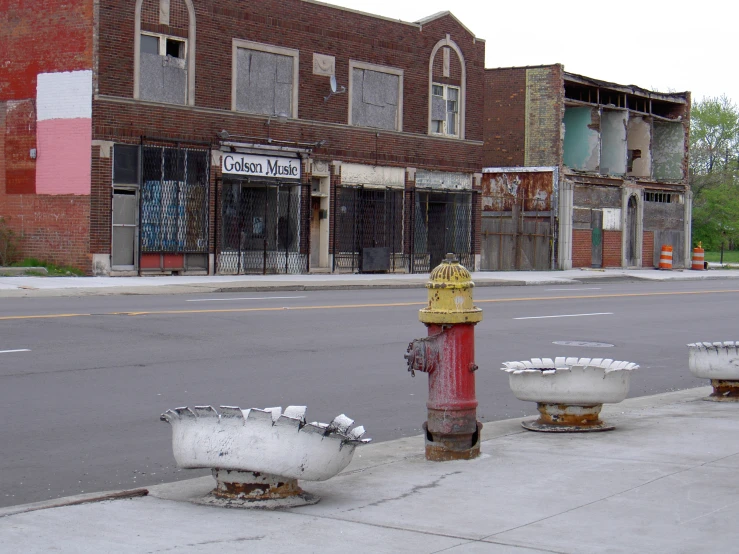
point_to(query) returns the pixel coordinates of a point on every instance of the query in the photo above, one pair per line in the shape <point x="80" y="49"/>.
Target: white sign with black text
<point x="260" y="166"/>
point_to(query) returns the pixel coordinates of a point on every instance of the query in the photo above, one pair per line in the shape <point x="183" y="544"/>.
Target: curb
<point x="72" y="501"/>
<point x="382" y="453"/>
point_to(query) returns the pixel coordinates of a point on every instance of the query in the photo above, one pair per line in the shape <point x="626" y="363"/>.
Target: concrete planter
<point x="257" y="456"/>
<point x="719" y="362"/>
<point x="569" y="392"/>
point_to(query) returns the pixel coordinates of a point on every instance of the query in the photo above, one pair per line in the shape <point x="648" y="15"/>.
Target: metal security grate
<point x="174" y="200"/>
<point x="262" y="228"/>
<point x="442" y="224"/>
<point x="368" y="230"/>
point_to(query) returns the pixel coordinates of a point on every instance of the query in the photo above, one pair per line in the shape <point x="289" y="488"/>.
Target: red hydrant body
<point x="448" y="356"/>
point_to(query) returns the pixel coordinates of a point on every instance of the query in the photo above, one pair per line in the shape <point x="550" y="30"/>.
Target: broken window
<point x="163" y="69"/>
<point x="445" y="110"/>
<point x="376" y="98"/>
<point x="638" y="144"/>
<point x="265" y="80"/>
<point x="663" y="197"/>
<point x="125" y="164"/>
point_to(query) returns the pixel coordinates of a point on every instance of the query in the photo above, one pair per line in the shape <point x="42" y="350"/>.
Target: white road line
<point x="566" y="315"/>
<point x="572" y="288"/>
<point x="232" y="299"/>
<point x="12" y="351"/>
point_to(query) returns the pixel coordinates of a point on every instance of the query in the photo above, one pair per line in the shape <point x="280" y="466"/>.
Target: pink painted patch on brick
<point x="63" y="162"/>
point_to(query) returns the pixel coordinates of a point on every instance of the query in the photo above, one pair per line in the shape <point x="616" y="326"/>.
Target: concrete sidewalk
<point x="88" y="286"/>
<point x="663" y="482"/>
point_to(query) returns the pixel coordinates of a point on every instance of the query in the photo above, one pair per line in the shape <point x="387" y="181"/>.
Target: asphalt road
<point x="83" y="380"/>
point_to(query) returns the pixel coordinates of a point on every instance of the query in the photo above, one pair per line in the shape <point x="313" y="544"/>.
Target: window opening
<point x="445" y="110"/>
<point x="376" y="98"/>
<point x="163" y="69"/>
<point x="176" y="48"/>
<point x="264" y="79"/>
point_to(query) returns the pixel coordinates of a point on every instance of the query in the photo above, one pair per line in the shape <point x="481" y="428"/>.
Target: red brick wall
<point x="505" y="117"/>
<point x="43" y="36"/>
<point x="582" y="248"/>
<point x="611" y="248"/>
<point x="647" y="251"/>
<point x="308" y="28"/>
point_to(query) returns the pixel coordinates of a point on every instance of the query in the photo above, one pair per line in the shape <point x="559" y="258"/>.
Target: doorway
<point x="125" y="218"/>
<point x="631" y="229"/>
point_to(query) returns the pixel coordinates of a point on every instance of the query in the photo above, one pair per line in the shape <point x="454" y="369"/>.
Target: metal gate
<point x="442" y="223"/>
<point x="263" y="228"/>
<point x="517" y="222"/>
<point x="174" y="200"/>
<point x="368" y="230"/>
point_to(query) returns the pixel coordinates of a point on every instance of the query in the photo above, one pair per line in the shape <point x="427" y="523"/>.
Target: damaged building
<point x="582" y="173"/>
<point x="232" y="137"/>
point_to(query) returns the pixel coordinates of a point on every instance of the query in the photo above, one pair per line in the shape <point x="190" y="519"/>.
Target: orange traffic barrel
<point x="665" y="257"/>
<point x="698" y="258"/>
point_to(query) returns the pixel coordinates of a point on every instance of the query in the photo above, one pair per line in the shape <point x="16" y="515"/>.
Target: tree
<point x="714" y="171"/>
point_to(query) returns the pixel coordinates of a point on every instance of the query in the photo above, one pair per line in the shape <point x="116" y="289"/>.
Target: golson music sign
<point x="260" y="166"/>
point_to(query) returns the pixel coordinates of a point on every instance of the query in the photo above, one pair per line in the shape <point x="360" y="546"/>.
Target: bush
<point x="8" y="243"/>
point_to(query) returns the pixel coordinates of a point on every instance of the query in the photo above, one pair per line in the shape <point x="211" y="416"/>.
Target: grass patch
<point x="54" y="270"/>
<point x="730" y="256"/>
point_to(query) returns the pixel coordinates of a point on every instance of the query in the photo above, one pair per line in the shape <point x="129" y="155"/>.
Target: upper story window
<point x="164" y="51"/>
<point x="375" y="96"/>
<point x="264" y="79"/>
<point x="447" y="90"/>
<point x="163" y="69"/>
<point x="445" y="110"/>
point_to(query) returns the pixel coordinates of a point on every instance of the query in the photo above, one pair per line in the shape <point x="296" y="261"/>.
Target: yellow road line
<point x="356" y="306"/>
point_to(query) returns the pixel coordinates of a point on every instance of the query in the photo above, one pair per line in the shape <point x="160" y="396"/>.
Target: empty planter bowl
<point x="257" y="456"/>
<point x="719" y="362"/>
<point x="570" y="392"/>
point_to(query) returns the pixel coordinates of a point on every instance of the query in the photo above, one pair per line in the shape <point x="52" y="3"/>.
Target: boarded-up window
<point x="264" y="82"/>
<point x="163" y="69"/>
<point x="375" y="99"/>
<point x="445" y="110"/>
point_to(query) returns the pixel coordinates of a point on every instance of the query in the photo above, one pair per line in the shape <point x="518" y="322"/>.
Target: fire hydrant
<point x="448" y="356"/>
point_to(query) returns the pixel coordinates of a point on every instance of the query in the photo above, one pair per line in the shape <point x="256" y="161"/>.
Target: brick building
<point x="225" y="136"/>
<point x="582" y="173"/>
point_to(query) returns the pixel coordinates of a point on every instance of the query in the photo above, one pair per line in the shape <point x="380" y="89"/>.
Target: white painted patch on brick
<point x="64" y="95"/>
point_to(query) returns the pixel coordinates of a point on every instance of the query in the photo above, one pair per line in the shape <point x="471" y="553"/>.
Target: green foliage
<point x="730" y="256"/>
<point x="8" y="243"/>
<point x="714" y="171"/>
<point x="54" y="270"/>
<point x="716" y="216"/>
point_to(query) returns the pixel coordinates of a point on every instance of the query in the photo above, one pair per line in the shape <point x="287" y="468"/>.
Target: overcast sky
<point x="654" y="44"/>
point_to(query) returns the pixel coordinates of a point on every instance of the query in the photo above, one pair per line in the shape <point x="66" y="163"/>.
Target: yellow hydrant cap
<point x="450" y="295"/>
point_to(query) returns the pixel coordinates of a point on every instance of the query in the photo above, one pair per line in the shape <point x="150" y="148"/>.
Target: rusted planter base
<point x="247" y="489"/>
<point x="445" y="448"/>
<point x="564" y="418"/>
<point x="724" y="391"/>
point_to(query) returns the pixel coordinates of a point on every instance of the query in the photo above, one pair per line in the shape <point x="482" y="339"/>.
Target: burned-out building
<point x="223" y="136"/>
<point x="582" y="173"/>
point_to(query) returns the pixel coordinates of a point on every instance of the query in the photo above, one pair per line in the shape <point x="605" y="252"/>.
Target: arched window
<point x="164" y="62"/>
<point x="447" y="90"/>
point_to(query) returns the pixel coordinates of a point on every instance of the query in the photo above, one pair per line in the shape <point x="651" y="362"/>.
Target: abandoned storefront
<point x="160" y="215"/>
<point x="587" y="173"/>
<point x="625" y="153"/>
<point x="401" y="220"/>
<point x="262" y="219"/>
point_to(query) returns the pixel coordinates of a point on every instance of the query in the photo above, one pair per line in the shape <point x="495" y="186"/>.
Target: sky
<point x="654" y="44"/>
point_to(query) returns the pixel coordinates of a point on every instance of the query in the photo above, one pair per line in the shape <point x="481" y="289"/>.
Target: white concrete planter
<point x="257" y="456"/>
<point x="570" y="392"/>
<point x="719" y="362"/>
